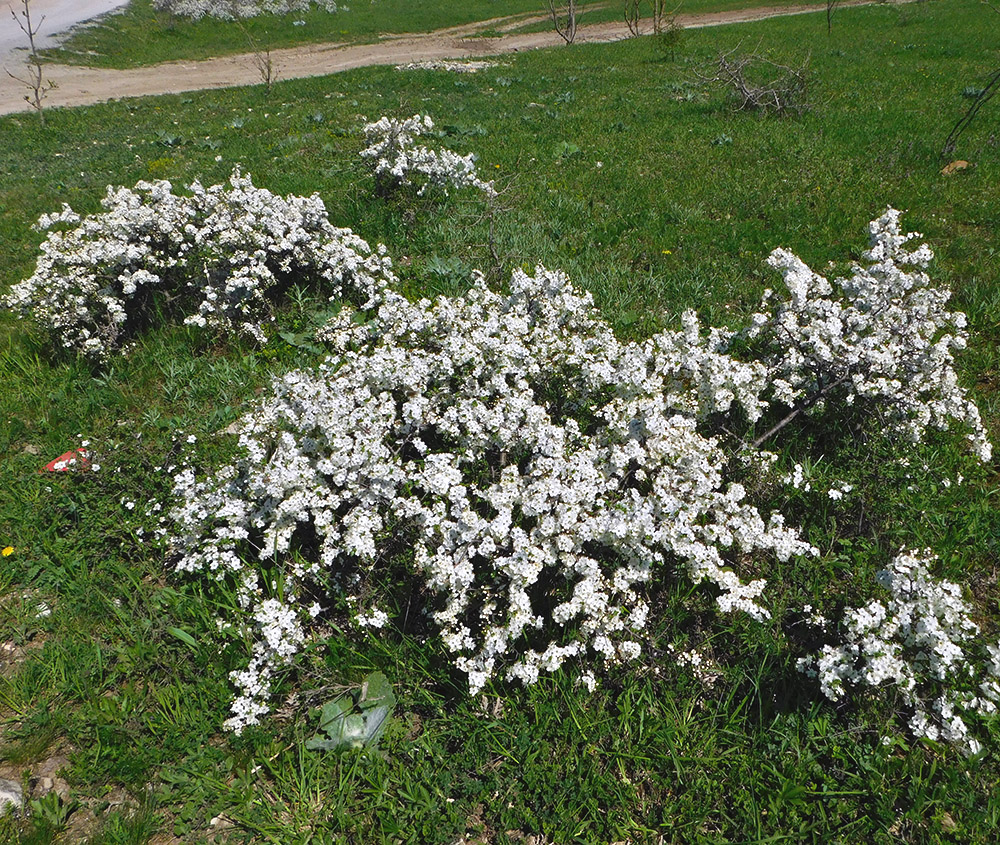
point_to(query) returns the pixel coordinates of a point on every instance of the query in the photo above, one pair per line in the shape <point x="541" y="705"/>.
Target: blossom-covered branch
<point x="883" y="337"/>
<point x="922" y="641"/>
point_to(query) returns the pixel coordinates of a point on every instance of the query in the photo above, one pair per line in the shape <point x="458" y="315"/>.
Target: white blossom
<point x="546" y="472"/>
<point x="396" y="160"/>
<point x="882" y="336"/>
<point x="452" y="67"/>
<point x="922" y="641"/>
<point x="237" y="9"/>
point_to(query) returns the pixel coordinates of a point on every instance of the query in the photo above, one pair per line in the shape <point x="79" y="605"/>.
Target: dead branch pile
<point x="760" y="85"/>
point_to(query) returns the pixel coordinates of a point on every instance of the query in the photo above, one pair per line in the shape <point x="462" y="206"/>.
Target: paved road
<point x="59" y="17"/>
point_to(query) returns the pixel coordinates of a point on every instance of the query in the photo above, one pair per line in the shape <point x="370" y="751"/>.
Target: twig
<point x="261" y="57"/>
<point x="34" y="81"/>
<point x="805" y="406"/>
<point x="632" y="17"/>
<point x="984" y="96"/>
<point x="783" y="94"/>
<point x="831" y="7"/>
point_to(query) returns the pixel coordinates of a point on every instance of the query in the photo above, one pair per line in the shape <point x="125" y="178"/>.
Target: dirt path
<point x="78" y="86"/>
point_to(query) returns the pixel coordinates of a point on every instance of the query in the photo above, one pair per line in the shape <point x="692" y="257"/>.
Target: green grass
<point x="650" y="191"/>
<point x="138" y="35"/>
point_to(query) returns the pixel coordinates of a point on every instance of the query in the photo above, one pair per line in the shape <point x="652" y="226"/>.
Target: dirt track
<point x="78" y="86"/>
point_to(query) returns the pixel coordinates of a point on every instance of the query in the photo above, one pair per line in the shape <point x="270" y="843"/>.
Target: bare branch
<point x="34" y="80"/>
<point x="564" y="19"/>
<point x="632" y="16"/>
<point x="659" y="11"/>
<point x="981" y="99"/>
<point x="783" y="91"/>
<point x="831" y="7"/>
<point x="261" y="55"/>
<point x="798" y="409"/>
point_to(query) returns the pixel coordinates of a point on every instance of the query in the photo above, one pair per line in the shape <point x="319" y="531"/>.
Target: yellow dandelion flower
<point x="8" y="551"/>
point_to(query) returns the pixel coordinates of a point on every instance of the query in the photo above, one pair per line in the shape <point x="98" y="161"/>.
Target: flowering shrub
<point x="924" y="642"/>
<point x="887" y="339"/>
<point x="235" y="9"/>
<point x="544" y="472"/>
<point x="397" y="161"/>
<point x="219" y="253"/>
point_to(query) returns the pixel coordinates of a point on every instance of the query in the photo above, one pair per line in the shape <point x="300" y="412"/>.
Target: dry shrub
<point x="760" y="85"/>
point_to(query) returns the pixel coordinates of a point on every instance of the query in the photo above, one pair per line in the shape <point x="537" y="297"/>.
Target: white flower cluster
<point x="280" y="637"/>
<point x="924" y="642"/>
<point x="887" y="339"/>
<point x="397" y="161"/>
<point x="703" y="668"/>
<point x="451" y="67"/>
<point x="543" y="471"/>
<point x="237" y="9"/>
<point x="219" y="254"/>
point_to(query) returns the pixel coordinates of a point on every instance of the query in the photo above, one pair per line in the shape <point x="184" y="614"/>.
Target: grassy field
<point x="138" y="35"/>
<point x="621" y="167"/>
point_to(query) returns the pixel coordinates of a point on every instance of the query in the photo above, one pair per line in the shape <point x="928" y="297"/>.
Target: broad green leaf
<point x="375" y="722"/>
<point x="334" y="711"/>
<point x="355" y="720"/>
<point x="376" y="690"/>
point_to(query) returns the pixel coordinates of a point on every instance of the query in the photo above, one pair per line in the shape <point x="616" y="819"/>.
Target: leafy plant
<point x="668" y="32"/>
<point x="355" y="719"/>
<point x="566" y="150"/>
<point x="169" y="139"/>
<point x="52" y="811"/>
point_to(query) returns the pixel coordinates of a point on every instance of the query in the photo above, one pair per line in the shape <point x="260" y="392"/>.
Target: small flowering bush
<point x="450" y="67"/>
<point x="217" y="254"/>
<point x="236" y="9"/>
<point x="924" y="642"/>
<point x="397" y="161"/>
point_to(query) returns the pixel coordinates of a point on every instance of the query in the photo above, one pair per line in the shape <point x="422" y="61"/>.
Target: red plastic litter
<point x="79" y="459"/>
